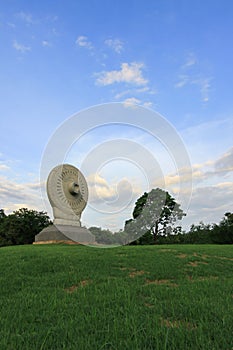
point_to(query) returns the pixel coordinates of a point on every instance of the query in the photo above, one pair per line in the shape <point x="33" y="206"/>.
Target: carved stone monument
<point x="68" y="194"/>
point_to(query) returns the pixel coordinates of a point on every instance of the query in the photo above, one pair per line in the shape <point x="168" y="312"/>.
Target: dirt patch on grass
<point x="209" y="278"/>
<point x="149" y="305"/>
<point x="224" y="258"/>
<point x="124" y="268"/>
<point x="75" y="287"/>
<point x="71" y="289"/>
<point x="178" y="324"/>
<point x="201" y="256"/>
<point x="165" y="250"/>
<point x="196" y="263"/>
<point x="202" y="278"/>
<point x="133" y="272"/>
<point x="137" y="273"/>
<point x="56" y="242"/>
<point x="84" y="283"/>
<point x="182" y="256"/>
<point x="161" y="282"/>
<point x="204" y="256"/>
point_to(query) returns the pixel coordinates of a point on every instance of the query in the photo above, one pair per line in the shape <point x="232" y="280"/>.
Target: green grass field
<point x="133" y="297"/>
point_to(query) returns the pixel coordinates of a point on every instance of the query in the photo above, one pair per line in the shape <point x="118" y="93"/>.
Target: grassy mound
<point x="138" y="297"/>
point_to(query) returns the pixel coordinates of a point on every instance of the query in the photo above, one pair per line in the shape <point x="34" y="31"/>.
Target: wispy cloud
<point x="209" y="203"/>
<point x="115" y="44"/>
<point x="46" y="43"/>
<point x="131" y="101"/>
<point x="204" y="85"/>
<point x="191" y="60"/>
<point x="25" y="17"/>
<point x="148" y="104"/>
<point x="15" y="195"/>
<point x="145" y="90"/>
<point x="188" y="77"/>
<point x="83" y="41"/>
<point x="11" y="25"/>
<point x="122" y="94"/>
<point x="4" y="167"/>
<point x="130" y="73"/>
<point x="214" y="168"/>
<point x="20" y="47"/>
<point x="212" y="190"/>
<point x="224" y="164"/>
<point x="183" y="80"/>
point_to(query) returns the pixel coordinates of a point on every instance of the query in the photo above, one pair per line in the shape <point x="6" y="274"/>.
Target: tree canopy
<point x="155" y="212"/>
<point x="21" y="226"/>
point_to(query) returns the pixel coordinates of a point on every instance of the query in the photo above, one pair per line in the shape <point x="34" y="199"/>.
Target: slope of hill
<point x="133" y="297"/>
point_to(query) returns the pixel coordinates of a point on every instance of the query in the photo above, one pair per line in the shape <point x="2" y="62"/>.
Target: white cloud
<point x="115" y="44"/>
<point x="209" y="203"/>
<point x="83" y="41"/>
<point x="190" y="60"/>
<point x="189" y="76"/>
<point x="205" y="86"/>
<point x="115" y="194"/>
<point x="201" y="172"/>
<point x="130" y="73"/>
<point x="26" y="17"/>
<point x="143" y="90"/>
<point x="131" y="101"/>
<point x="97" y="180"/>
<point x="148" y="104"/>
<point x="202" y="83"/>
<point x="46" y="43"/>
<point x="121" y="94"/>
<point x="20" y="47"/>
<point x="15" y="195"/>
<point x="11" y="25"/>
<point x="4" y="167"/>
<point x="224" y="164"/>
<point x="183" y="80"/>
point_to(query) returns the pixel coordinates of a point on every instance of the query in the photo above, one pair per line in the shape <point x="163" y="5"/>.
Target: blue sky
<point x="61" y="57"/>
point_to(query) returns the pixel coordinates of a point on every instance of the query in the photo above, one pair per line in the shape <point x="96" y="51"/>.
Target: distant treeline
<point x="21" y="226"/>
<point x="221" y="233"/>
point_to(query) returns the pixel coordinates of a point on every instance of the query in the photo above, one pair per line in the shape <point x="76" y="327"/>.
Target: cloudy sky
<point x="174" y="57"/>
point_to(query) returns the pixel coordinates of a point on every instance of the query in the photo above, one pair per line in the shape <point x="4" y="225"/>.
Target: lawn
<point x="132" y="297"/>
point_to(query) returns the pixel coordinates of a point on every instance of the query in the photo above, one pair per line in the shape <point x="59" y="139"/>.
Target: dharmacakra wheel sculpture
<point x="68" y="194"/>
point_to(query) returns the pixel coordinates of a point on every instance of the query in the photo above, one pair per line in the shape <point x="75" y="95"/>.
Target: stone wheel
<point x="67" y="189"/>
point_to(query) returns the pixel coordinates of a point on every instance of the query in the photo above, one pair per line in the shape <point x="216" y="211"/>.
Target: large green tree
<point x="156" y="212"/>
<point x="21" y="226"/>
<point x="223" y="232"/>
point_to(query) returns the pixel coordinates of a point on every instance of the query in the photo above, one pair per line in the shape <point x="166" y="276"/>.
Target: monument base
<point x="64" y="234"/>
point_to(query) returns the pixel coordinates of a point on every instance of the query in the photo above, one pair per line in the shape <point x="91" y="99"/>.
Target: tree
<point x="102" y="236"/>
<point x="223" y="232"/>
<point x="156" y="212"/>
<point x="228" y="219"/>
<point x="2" y="215"/>
<point x="21" y="226"/>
